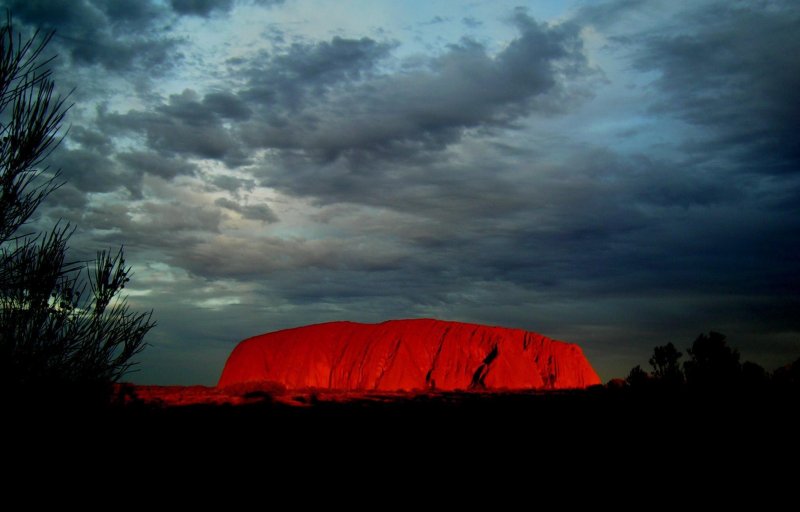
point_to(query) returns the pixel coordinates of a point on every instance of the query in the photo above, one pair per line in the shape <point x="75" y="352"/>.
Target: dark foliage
<point x="713" y="363"/>
<point x="754" y="376"/>
<point x="63" y="326"/>
<point x="638" y="378"/>
<point x="788" y="377"/>
<point x="666" y="368"/>
<point x="713" y="367"/>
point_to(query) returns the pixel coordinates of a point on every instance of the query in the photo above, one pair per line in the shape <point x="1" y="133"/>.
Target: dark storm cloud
<point x="89" y="171"/>
<point x="155" y="164"/>
<point x="125" y="13"/>
<point x="232" y="184"/>
<point x="185" y="126"/>
<point x="260" y="212"/>
<point x="247" y="259"/>
<point x="176" y="216"/>
<point x="715" y="223"/>
<point x="580" y="228"/>
<point x="91" y="139"/>
<point x="325" y="100"/>
<point x="92" y="164"/>
<point x="181" y="127"/>
<point x="188" y="107"/>
<point x="227" y="105"/>
<point x="68" y="201"/>
<point x="117" y="35"/>
<point x="461" y="184"/>
<point x="732" y="70"/>
<point x="206" y="8"/>
<point x="602" y="14"/>
<point x="413" y="111"/>
<point x="200" y="7"/>
<point x="190" y="125"/>
<point x="286" y="79"/>
<point x="728" y="68"/>
<point x="173" y="228"/>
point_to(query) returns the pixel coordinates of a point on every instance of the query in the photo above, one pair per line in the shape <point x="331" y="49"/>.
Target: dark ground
<point x="586" y="431"/>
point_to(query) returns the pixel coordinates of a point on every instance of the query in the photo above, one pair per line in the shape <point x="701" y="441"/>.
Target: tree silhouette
<point x="713" y="367"/>
<point x="788" y="377"/>
<point x="666" y="368"/>
<point x="754" y="376"/>
<point x="713" y="364"/>
<point x="63" y="325"/>
<point x="638" y="378"/>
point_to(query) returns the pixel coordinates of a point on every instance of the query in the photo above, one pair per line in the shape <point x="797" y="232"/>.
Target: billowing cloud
<point x="114" y="34"/>
<point x="732" y="71"/>
<point x="611" y="176"/>
<point x="155" y="164"/>
<point x="205" y="8"/>
<point x="200" y="7"/>
<point x="412" y="110"/>
<point x="260" y="212"/>
<point x="181" y="127"/>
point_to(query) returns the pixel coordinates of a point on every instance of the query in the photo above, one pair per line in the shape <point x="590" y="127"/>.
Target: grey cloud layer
<point x="205" y="8"/>
<point x="444" y="185"/>
<point x="114" y="34"/>
<point x="734" y="72"/>
<point x="329" y="100"/>
<point x="118" y="35"/>
<point x="414" y="110"/>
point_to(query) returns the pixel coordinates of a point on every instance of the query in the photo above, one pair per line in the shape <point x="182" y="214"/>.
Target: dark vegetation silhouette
<point x="66" y="333"/>
<point x="713" y="363"/>
<point x="713" y="367"/>
<point x="666" y="366"/>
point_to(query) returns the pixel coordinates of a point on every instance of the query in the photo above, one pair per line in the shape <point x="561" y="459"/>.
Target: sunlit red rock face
<point x="408" y="355"/>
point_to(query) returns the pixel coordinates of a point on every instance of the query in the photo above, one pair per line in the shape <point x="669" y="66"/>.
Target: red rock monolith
<point x="414" y="354"/>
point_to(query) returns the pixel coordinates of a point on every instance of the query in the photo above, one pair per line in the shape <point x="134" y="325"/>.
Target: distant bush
<point x="666" y="366"/>
<point x="788" y="377"/>
<point x="713" y="363"/>
<point x="713" y="366"/>
<point x="638" y="378"/>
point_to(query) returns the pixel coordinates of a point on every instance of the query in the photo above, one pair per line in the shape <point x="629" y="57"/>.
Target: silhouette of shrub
<point x="788" y="377"/>
<point x="638" y="378"/>
<point x="66" y="333"/>
<point x="666" y="367"/>
<point x="754" y="377"/>
<point x="713" y="364"/>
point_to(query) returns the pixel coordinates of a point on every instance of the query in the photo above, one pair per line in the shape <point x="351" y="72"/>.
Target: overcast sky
<point x="616" y="174"/>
